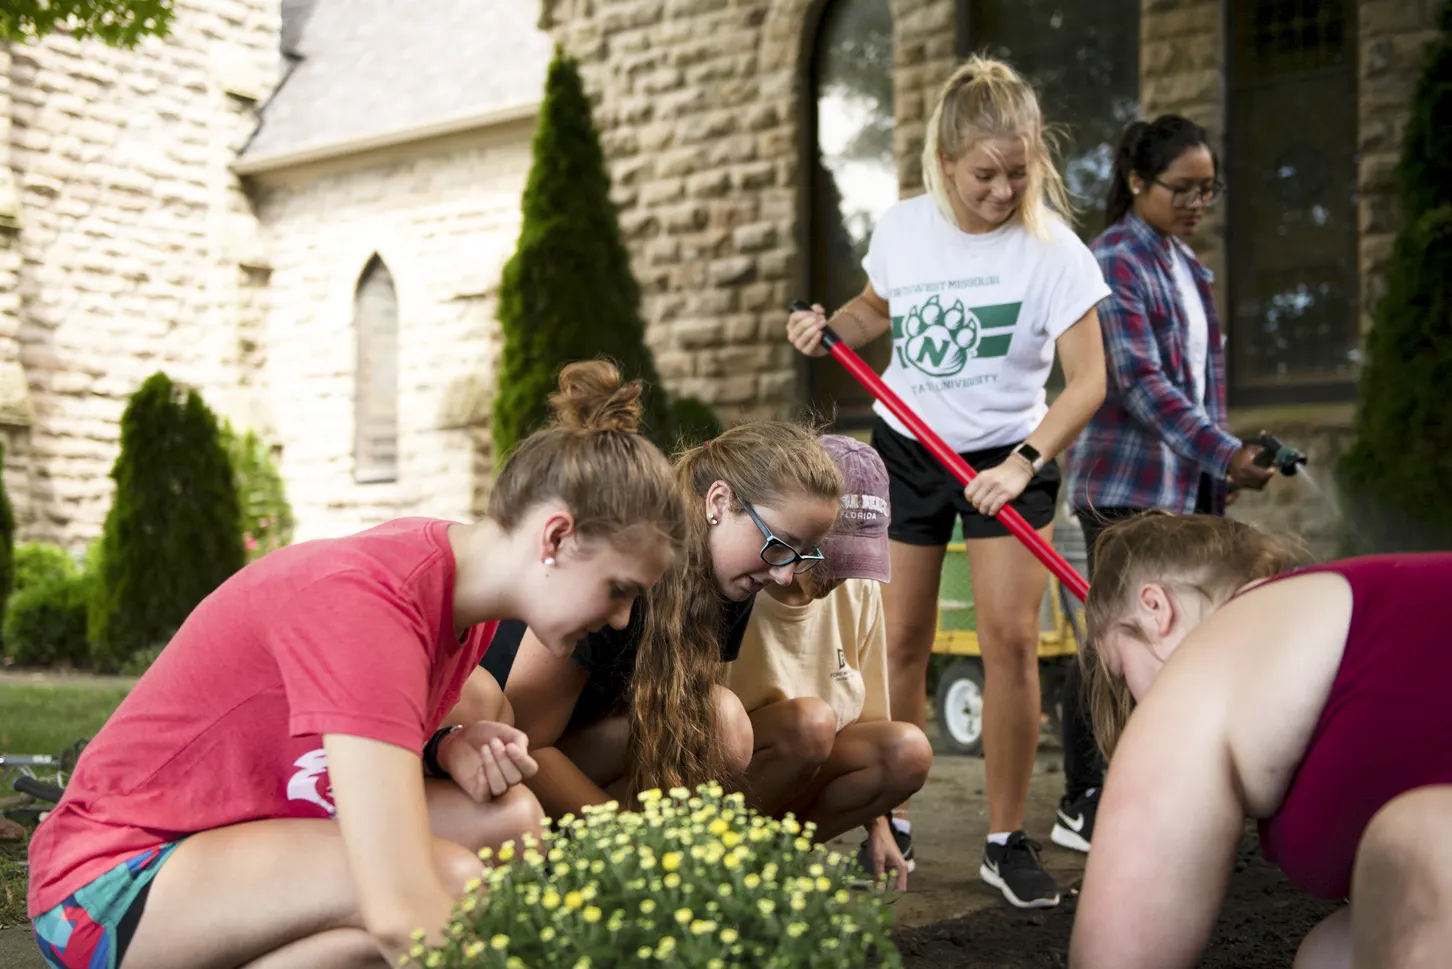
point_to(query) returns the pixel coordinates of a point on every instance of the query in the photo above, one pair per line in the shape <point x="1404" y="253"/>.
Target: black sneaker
<point x="1015" y="870"/>
<point x="1074" y="827"/>
<point x="863" y="878"/>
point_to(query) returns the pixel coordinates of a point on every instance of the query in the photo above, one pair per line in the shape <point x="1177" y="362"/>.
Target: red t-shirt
<point x="348" y="636"/>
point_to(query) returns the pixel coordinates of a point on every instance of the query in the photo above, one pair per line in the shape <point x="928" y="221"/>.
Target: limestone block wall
<point x="129" y="233"/>
<point x="700" y="107"/>
<point x="444" y="217"/>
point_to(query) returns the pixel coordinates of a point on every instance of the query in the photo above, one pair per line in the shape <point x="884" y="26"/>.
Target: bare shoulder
<point x="1274" y="652"/>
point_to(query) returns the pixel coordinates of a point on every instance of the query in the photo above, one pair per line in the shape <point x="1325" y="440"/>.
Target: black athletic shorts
<point x="926" y="498"/>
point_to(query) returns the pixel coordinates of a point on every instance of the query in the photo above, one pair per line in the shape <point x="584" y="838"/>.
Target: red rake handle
<point x="949" y="458"/>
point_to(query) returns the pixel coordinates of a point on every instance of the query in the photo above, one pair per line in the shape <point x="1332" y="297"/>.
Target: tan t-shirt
<point x="834" y="649"/>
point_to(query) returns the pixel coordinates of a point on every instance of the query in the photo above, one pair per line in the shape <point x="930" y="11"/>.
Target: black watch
<point x="1031" y="453"/>
<point x="431" y="753"/>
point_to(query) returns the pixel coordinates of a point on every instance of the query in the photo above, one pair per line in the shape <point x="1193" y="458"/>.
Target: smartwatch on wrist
<point x="1032" y="455"/>
<point x="431" y="753"/>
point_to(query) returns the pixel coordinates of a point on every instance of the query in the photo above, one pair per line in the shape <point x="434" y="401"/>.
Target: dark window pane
<point x="1292" y="246"/>
<point x="375" y="318"/>
<point x="853" y="179"/>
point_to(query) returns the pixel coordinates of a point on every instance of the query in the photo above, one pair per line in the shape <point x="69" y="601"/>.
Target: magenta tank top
<point x="1387" y="725"/>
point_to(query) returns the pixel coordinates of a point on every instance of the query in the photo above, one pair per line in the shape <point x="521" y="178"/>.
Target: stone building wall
<point x="700" y="107"/>
<point x="130" y="233"/>
<point x="443" y="216"/>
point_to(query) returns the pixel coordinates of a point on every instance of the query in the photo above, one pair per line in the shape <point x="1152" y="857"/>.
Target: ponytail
<point x="1146" y="149"/>
<point x="1121" y="195"/>
<point x="593" y="459"/>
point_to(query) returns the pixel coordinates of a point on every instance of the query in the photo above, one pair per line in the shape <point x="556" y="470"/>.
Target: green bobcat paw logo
<point x="940" y="341"/>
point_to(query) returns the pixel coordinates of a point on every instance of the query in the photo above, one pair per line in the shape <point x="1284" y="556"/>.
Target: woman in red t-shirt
<point x="277" y="789"/>
<point x="1314" y="702"/>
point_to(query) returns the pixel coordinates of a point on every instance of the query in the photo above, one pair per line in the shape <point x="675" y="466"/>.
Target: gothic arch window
<point x="1292" y="196"/>
<point x="853" y="179"/>
<point x="375" y="402"/>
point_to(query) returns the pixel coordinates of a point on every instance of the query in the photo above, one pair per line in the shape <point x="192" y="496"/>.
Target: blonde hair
<point x="673" y="735"/>
<point x="1206" y="555"/>
<point x="592" y="458"/>
<point x="987" y="98"/>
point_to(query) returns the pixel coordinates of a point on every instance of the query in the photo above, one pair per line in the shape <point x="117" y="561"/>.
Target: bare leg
<point x="872" y="766"/>
<point x="1328" y="945"/>
<point x="910" y="610"/>
<point x="279" y="894"/>
<point x="1401" y="889"/>
<point x="793" y="738"/>
<point x="481" y="699"/>
<point x="1008" y="589"/>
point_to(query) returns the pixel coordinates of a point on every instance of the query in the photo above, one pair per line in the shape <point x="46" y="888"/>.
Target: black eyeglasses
<point x="1183" y="198"/>
<point x="777" y="553"/>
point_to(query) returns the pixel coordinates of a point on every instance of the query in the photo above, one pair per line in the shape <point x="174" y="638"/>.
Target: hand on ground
<point x="883" y="853"/>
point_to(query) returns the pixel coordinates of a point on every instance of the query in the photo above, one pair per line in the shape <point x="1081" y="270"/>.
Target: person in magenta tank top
<point x="306" y="774"/>
<point x="1311" y="699"/>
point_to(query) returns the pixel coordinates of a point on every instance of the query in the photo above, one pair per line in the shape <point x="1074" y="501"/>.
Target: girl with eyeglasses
<point x="640" y="703"/>
<point x="1160" y="440"/>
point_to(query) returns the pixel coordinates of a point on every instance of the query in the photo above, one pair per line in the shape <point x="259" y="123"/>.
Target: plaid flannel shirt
<point x="1149" y="442"/>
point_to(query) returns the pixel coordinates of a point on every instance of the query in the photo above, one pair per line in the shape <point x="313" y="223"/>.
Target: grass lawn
<point x="43" y="719"/>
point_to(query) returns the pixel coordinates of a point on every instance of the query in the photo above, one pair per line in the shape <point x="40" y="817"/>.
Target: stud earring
<point x="712" y="519"/>
<point x="549" y="562"/>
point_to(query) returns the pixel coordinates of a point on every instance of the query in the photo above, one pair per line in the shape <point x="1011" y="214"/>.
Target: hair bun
<point x="594" y="397"/>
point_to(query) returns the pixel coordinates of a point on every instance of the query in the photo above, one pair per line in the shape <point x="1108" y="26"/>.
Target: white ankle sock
<point x="1000" y="838"/>
<point x="902" y="824"/>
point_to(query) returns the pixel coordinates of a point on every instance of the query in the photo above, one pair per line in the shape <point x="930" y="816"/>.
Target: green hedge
<point x="45" y="623"/>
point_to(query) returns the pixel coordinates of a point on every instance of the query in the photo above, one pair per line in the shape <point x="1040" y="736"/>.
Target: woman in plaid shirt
<point x="1160" y="439"/>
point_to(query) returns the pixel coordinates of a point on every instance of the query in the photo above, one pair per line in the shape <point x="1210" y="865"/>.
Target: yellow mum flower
<point x="731" y="839"/>
<point x="592" y="914"/>
<point x="485" y="854"/>
<point x="725" y="890"/>
<point x="474" y="949"/>
<point x="468" y="903"/>
<point x="671" y="860"/>
<point x="753" y="880"/>
<point x="644" y="952"/>
<point x="550" y="899"/>
<point x="499" y="942"/>
<point x="715" y="964"/>
<point x="416" y="951"/>
<point x="647" y="906"/>
<point x="796" y="929"/>
<point x="588" y="892"/>
<point x="790" y="826"/>
<point x="729" y="936"/>
<point x="574" y="900"/>
<point x="547" y="933"/>
<point x="766" y="905"/>
<point x="434" y="960"/>
<point x="680" y="793"/>
<point x="816" y="871"/>
<point x="802" y="844"/>
<point x="673" y="880"/>
<point x="506" y="851"/>
<point x="583" y="963"/>
<point x="799" y="901"/>
<point x="842" y="897"/>
<point x="650" y="796"/>
<point x="824" y="883"/>
<point x="731" y="861"/>
<point x="718" y="827"/>
<point x="684" y="915"/>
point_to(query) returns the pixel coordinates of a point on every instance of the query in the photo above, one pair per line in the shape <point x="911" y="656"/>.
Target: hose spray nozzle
<point x="1274" y="453"/>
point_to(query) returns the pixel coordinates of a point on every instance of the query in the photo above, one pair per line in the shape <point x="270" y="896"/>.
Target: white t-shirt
<point x="1197" y="343"/>
<point x="974" y="319"/>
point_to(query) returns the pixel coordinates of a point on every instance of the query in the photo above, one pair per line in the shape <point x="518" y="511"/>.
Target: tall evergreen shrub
<point x="568" y="293"/>
<point x="173" y="533"/>
<point x="1396" y="479"/>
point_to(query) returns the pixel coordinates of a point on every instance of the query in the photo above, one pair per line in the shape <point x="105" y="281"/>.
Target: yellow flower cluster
<point x="693" y="878"/>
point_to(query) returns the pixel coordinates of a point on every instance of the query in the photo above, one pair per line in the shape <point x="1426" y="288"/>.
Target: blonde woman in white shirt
<point x="981" y="282"/>
<point x="812" y="676"/>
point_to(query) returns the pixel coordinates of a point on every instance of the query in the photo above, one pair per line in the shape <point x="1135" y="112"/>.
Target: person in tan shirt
<point x="812" y="675"/>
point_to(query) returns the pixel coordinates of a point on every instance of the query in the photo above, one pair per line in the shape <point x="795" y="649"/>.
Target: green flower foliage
<point x="174" y="531"/>
<point x="120" y="23"/>
<point x="691" y="880"/>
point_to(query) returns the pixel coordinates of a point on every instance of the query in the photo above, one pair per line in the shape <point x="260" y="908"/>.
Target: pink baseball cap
<point x="856" y="548"/>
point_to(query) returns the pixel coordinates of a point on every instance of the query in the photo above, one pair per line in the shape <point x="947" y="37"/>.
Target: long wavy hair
<point x="673" y="738"/>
